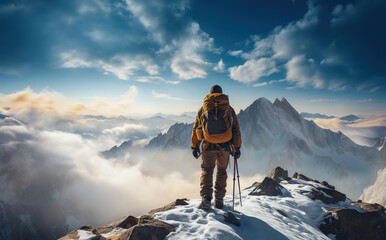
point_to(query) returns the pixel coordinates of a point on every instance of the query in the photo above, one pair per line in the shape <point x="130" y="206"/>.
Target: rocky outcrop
<point x="278" y="174"/>
<point x="370" y="207"/>
<point x="268" y="187"/>
<point x="178" y="202"/>
<point x="129" y="228"/>
<point x="326" y="195"/>
<point x="305" y="178"/>
<point x="351" y="224"/>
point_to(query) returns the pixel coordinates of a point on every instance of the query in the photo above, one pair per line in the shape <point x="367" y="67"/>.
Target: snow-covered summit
<point x="302" y="209"/>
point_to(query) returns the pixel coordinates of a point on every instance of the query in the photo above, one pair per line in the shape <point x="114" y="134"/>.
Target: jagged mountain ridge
<point x="275" y="134"/>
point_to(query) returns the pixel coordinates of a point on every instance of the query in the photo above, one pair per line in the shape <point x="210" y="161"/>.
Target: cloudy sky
<point x="146" y="56"/>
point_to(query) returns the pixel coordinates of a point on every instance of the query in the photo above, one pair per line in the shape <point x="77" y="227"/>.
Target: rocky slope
<point x="280" y="207"/>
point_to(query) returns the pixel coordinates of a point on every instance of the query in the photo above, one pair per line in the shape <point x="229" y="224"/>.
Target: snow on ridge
<point x="259" y="216"/>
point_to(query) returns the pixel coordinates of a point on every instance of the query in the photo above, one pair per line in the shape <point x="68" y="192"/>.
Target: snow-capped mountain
<point x="277" y="208"/>
<point x="177" y="136"/>
<point x="275" y="134"/>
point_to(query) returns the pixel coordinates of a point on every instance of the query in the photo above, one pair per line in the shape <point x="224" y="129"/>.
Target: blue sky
<point x="323" y="56"/>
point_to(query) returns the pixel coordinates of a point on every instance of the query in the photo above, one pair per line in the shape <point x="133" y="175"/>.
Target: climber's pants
<point x="209" y="160"/>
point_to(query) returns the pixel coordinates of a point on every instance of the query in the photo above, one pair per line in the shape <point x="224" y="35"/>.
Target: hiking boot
<point x="219" y="203"/>
<point x="205" y="203"/>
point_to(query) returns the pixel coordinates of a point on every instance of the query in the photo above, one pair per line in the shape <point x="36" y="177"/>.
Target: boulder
<point x="147" y="228"/>
<point x="230" y="218"/>
<point x="303" y="177"/>
<point x="295" y="175"/>
<point x="278" y="174"/>
<point x="351" y="224"/>
<point x="370" y="207"/>
<point x="125" y="223"/>
<point x="268" y="187"/>
<point x="324" y="183"/>
<point x="327" y="195"/>
<point x="177" y="202"/>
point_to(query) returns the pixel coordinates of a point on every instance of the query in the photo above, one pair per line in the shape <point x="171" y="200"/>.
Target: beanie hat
<point x="215" y="89"/>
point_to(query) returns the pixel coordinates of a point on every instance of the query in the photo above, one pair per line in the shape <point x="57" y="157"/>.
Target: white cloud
<point x="167" y="96"/>
<point x="124" y="129"/>
<point x="164" y="96"/>
<point x="187" y="61"/>
<point x="321" y="100"/>
<point x="317" y="50"/>
<point x="150" y="79"/>
<point x="374" y="89"/>
<point x="73" y="177"/>
<point x="235" y="53"/>
<point x="155" y="79"/>
<point x="252" y="70"/>
<point x="268" y="83"/>
<point x="220" y="67"/>
<point x="260" y="84"/>
<point x="365" y="100"/>
<point x="304" y="72"/>
<point x="57" y="103"/>
<point x="185" y="42"/>
<point x="123" y="66"/>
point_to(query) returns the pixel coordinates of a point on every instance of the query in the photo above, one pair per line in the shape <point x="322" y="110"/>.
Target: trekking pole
<point x="238" y="180"/>
<point x="234" y="179"/>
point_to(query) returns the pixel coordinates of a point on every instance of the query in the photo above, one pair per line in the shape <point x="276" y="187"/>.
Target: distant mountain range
<point x="315" y="115"/>
<point x="349" y="118"/>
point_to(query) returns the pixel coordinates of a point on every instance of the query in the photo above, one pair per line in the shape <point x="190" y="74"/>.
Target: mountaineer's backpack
<point x="216" y="119"/>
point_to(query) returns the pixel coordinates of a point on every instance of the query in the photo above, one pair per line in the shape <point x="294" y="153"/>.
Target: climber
<point x="217" y="127"/>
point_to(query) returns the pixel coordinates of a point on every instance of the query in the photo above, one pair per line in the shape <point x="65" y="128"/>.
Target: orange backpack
<point x="216" y="119"/>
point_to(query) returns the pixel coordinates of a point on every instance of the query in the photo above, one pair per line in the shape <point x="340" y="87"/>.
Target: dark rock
<point x="177" y="202"/>
<point x="126" y="223"/>
<point x="351" y="224"/>
<point x="87" y="228"/>
<point x="230" y="218"/>
<point x="370" y="207"/>
<point x="303" y="177"/>
<point x="268" y="187"/>
<point x="282" y="213"/>
<point x="324" y="183"/>
<point x="278" y="174"/>
<point x="148" y="228"/>
<point x="333" y="195"/>
<point x="295" y="175"/>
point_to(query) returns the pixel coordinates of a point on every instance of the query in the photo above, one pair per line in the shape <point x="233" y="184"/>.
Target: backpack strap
<point x="230" y="115"/>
